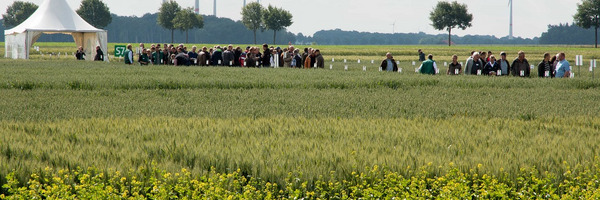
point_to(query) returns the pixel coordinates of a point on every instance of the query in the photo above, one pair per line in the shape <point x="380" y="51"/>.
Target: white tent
<point x="54" y="17"/>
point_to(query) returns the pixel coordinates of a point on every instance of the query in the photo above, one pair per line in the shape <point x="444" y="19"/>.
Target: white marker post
<point x="344" y="60"/>
<point x="230" y="63"/>
<point x="437" y="71"/>
<point x="208" y="62"/>
<point x="372" y="61"/>
<point x="315" y="65"/>
<point x="380" y="69"/>
<point x="522" y="73"/>
<point x="461" y="64"/>
<point x="416" y="70"/>
<point x="399" y="70"/>
<point x="332" y="59"/>
<point x="547" y="74"/>
<point x="532" y="67"/>
<point x="365" y="68"/>
<point x="219" y="62"/>
<point x="478" y="72"/>
<point x="456" y="71"/>
<point x="397" y="62"/>
<point x="414" y="63"/>
<point x="572" y="75"/>
<point x="345" y="67"/>
<point x="445" y="64"/>
<point x="358" y="61"/>
<point x="499" y="72"/>
<point x="257" y="64"/>
<point x="330" y="66"/>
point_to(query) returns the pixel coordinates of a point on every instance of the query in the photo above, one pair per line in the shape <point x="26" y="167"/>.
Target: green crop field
<point x="109" y="131"/>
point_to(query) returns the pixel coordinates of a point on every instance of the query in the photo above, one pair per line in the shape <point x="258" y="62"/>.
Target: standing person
<point x="217" y="56"/>
<point x="389" y="64"/>
<point x="204" y="56"/>
<point x="491" y="68"/>
<point x="473" y="64"/>
<point x="80" y="54"/>
<point x="297" y="62"/>
<point x="140" y="49"/>
<point x="429" y="66"/>
<point x="545" y="67"/>
<point x="143" y="58"/>
<point x="181" y="58"/>
<point x="308" y="60"/>
<point x="489" y="54"/>
<point x="157" y="56"/>
<point x="193" y="55"/>
<point x="563" y="68"/>
<point x="304" y="55"/>
<point x="454" y="68"/>
<point x="483" y="57"/>
<point x="313" y="57"/>
<point x="421" y="56"/>
<point x="319" y="60"/>
<point x="504" y="65"/>
<point x="99" y="54"/>
<point x="251" y="58"/>
<point x="237" y="53"/>
<point x="266" y="56"/>
<point x="520" y="66"/>
<point x="288" y="57"/>
<point x="228" y="56"/>
<point x="129" y="55"/>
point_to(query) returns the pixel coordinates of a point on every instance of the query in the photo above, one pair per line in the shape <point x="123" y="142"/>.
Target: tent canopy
<point x="54" y="16"/>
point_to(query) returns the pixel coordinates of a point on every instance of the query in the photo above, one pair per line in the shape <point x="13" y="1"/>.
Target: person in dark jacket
<point x="454" y="68"/>
<point x="491" y="67"/>
<point x="266" y="56"/>
<point x="319" y="61"/>
<point x="520" y="66"/>
<point x="80" y="54"/>
<point x="217" y="56"/>
<point x="421" y="55"/>
<point x="389" y="64"/>
<point x="545" y="68"/>
<point x="99" y="54"/>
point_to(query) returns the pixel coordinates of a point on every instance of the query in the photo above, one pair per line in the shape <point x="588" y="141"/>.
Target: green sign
<point x="120" y="50"/>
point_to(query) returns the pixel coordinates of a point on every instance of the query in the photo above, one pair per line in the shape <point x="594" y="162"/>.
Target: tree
<point x="276" y="19"/>
<point x="252" y="17"/>
<point x="95" y="12"/>
<point x="448" y="15"/>
<point x="166" y="15"/>
<point x="17" y="13"/>
<point x="186" y="19"/>
<point x="588" y="13"/>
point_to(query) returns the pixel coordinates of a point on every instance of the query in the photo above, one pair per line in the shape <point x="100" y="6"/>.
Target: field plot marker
<point x="330" y="66"/>
<point x="399" y="70"/>
<point x="358" y="61"/>
<point x="345" y="67"/>
<point x="365" y="68"/>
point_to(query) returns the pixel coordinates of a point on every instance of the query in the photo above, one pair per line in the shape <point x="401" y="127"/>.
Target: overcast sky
<point x="491" y="17"/>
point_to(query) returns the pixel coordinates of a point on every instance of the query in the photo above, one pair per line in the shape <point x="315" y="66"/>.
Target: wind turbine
<point x="215" y="8"/>
<point x="197" y="9"/>
<point x="510" y="30"/>
<point x="394" y="27"/>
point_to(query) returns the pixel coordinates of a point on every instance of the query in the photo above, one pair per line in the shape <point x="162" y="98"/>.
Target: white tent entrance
<point x="54" y="17"/>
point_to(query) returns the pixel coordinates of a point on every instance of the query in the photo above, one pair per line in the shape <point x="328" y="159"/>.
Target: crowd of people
<point x="485" y="63"/>
<point x="478" y="63"/>
<point x="266" y="56"/>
